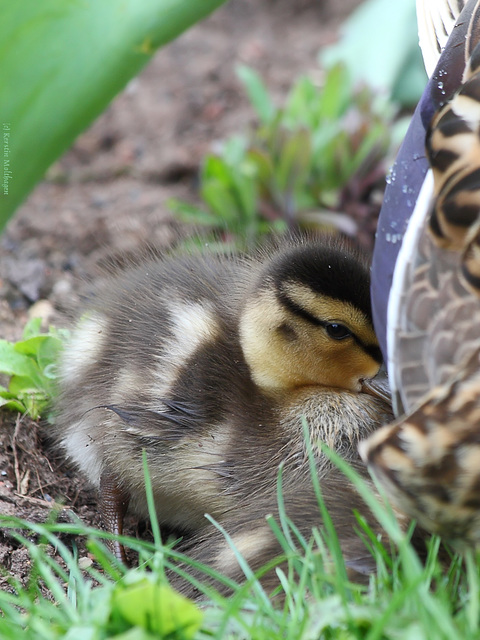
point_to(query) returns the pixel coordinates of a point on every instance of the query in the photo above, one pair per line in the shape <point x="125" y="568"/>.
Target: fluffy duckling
<point x="337" y="418"/>
<point x="207" y="363"/>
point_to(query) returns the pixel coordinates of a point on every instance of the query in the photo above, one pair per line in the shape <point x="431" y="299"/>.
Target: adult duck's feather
<point x="429" y="460"/>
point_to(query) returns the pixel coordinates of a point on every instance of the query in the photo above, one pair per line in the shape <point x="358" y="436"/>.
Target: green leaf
<point x="336" y="94"/>
<point x="221" y="201"/>
<point x="23" y="387"/>
<point x="33" y="396"/>
<point x="135" y="633"/>
<point x="60" y="65"/>
<point x="48" y="353"/>
<point x="32" y="328"/>
<point x="216" y="168"/>
<point x="157" y="608"/>
<point x="294" y="161"/>
<point x="14" y="363"/>
<point x="11" y="403"/>
<point x="245" y="190"/>
<point x="31" y="365"/>
<point x="30" y="346"/>
<point x="257" y="93"/>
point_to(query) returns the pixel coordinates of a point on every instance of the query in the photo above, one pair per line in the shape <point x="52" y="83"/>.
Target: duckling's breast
<point x="336" y="418"/>
<point x="274" y="436"/>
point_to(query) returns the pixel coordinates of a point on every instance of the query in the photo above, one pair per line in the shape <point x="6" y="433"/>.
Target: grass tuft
<point x="404" y="599"/>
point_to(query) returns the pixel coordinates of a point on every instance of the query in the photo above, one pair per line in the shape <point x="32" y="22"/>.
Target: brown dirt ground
<point x="107" y="196"/>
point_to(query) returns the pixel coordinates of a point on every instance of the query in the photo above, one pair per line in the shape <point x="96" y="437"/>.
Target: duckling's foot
<point x="113" y="507"/>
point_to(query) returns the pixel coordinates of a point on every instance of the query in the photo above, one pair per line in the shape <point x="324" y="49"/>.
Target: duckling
<point x="196" y="358"/>
<point x="429" y="459"/>
<point x="338" y="419"/>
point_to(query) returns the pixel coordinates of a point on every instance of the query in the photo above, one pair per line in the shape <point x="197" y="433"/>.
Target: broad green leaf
<point x="30" y="346"/>
<point x="34" y="398"/>
<point x="22" y="387"/>
<point x="216" y="168"/>
<point x="61" y="62"/>
<point x="48" y="353"/>
<point x="14" y="363"/>
<point x="221" y="201"/>
<point x="336" y="94"/>
<point x="11" y="403"/>
<point x="156" y="608"/>
<point x="190" y="213"/>
<point x="298" y="106"/>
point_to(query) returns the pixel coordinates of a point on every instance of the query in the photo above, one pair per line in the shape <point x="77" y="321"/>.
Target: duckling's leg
<point x="113" y="507"/>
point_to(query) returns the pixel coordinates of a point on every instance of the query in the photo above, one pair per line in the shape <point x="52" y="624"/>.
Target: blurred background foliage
<point x="60" y="67"/>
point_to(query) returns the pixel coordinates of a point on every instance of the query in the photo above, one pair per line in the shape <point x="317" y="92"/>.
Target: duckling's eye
<point x="337" y="331"/>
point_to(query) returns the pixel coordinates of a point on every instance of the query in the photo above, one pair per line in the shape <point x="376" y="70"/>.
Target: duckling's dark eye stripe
<point x="372" y="350"/>
<point x="298" y="310"/>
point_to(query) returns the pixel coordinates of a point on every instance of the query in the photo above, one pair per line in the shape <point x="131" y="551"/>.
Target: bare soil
<point x="107" y="196"/>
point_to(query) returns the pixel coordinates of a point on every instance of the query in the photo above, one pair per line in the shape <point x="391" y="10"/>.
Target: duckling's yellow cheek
<point x="344" y="365"/>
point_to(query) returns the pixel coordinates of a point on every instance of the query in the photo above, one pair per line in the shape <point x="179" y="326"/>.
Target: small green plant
<point x="68" y="596"/>
<point x="29" y="367"/>
<point x="293" y="166"/>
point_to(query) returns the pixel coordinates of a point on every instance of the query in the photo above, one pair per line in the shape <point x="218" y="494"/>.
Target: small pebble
<point x="84" y="563"/>
<point x="42" y="309"/>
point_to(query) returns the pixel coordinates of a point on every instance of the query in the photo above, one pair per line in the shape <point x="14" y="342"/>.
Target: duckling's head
<point x="308" y="320"/>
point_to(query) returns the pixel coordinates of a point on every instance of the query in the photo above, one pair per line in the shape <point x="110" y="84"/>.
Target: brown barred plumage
<point x="453" y="149"/>
<point x="429" y="459"/>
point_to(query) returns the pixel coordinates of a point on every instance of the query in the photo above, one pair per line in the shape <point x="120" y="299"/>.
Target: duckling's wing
<point x="170" y="420"/>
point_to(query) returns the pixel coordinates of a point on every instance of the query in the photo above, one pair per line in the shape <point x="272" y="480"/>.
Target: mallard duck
<point x="429" y="460"/>
<point x="207" y="363"/>
<point x="407" y="175"/>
